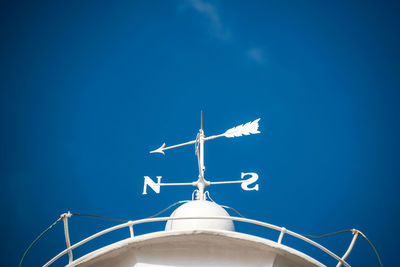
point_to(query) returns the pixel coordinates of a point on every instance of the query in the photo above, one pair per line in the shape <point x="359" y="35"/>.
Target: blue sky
<point x="88" y="88"/>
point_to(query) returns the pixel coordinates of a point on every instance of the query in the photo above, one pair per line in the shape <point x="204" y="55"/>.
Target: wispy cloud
<point x="210" y="12"/>
<point x="211" y="16"/>
<point x="256" y="54"/>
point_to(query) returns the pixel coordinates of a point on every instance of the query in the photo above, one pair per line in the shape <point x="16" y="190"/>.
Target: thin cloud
<point x="256" y="54"/>
<point x="210" y="12"/>
<point x="218" y="29"/>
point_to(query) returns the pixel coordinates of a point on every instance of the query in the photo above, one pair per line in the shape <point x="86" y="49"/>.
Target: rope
<point x="37" y="239"/>
<point x="353" y="231"/>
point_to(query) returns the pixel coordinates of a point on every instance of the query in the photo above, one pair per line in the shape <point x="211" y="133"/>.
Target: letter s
<point x="252" y="179"/>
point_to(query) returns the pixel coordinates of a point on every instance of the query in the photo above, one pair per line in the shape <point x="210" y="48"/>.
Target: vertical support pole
<point x="353" y="241"/>
<point x="283" y="231"/>
<point x="200" y="195"/>
<point x="65" y="217"/>
<point x="202" y="153"/>
<point x="202" y="168"/>
<point x="201" y="120"/>
<point x="201" y="183"/>
<point x="131" y="229"/>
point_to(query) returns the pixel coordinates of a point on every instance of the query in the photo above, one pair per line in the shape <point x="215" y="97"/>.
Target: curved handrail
<point x="129" y="224"/>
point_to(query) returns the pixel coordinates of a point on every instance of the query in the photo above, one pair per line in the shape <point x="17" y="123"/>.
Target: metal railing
<point x="130" y="224"/>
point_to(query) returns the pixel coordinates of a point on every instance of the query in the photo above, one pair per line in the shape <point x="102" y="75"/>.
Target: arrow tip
<point x="159" y="150"/>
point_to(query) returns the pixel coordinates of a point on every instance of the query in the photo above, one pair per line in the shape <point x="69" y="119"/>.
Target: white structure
<point x="199" y="232"/>
<point x="196" y="242"/>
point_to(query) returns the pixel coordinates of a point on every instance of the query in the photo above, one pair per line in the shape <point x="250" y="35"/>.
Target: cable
<point x="122" y="220"/>
<point x="321" y="236"/>
<point x="164" y="210"/>
<point x="227" y="207"/>
<point x="207" y="194"/>
<point x="353" y="231"/>
<point x="373" y="247"/>
<point x="99" y="217"/>
<point x="36" y="239"/>
<point x="233" y="210"/>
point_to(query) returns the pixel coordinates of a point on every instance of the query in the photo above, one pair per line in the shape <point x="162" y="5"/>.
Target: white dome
<point x="200" y="208"/>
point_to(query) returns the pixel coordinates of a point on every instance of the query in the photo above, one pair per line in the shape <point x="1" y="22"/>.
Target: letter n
<point x="152" y="184"/>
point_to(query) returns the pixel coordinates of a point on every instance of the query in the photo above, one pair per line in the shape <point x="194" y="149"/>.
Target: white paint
<point x="152" y="184"/>
<point x="252" y="179"/>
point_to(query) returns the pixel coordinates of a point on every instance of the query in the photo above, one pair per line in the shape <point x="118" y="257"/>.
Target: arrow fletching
<point x="243" y="129"/>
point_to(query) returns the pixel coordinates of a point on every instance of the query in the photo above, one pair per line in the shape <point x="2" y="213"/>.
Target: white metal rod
<point x="66" y="233"/>
<point x="281" y="235"/>
<point x="202" y="153"/>
<point x="190" y="142"/>
<point x="131" y="230"/>
<point x="213" y="137"/>
<point x="259" y="223"/>
<point x="166" y="184"/>
<point x="228" y="182"/>
<point x="201" y="184"/>
<point x="86" y="240"/>
<point x="179" y="145"/>
<point x="353" y="241"/>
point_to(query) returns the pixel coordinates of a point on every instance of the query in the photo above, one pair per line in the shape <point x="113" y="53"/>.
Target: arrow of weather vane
<point x="243" y="129"/>
<point x="240" y="130"/>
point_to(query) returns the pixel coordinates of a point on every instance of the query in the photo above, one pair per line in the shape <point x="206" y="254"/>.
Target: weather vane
<point x="202" y="183"/>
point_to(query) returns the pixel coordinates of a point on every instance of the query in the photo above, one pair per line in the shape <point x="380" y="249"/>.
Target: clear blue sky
<point x="88" y="88"/>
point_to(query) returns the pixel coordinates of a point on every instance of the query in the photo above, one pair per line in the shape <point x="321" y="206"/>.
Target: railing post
<point x="131" y="229"/>
<point x="283" y="231"/>
<point x="65" y="217"/>
<point x="353" y="241"/>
